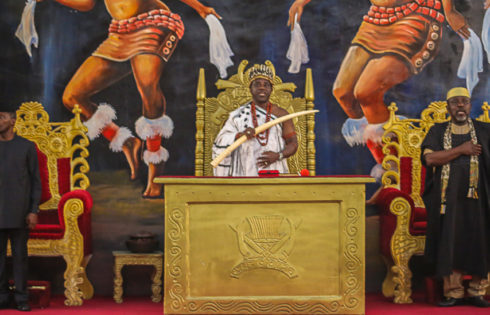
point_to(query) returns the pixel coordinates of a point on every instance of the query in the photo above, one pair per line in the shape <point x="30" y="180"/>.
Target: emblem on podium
<point x="265" y="242"/>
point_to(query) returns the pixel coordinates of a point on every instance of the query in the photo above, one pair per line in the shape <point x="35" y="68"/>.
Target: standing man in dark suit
<point x="20" y="192"/>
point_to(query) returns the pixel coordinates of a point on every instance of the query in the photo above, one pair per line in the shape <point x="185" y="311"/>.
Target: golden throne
<point x="212" y="113"/>
<point x="403" y="217"/>
<point x="64" y="227"/>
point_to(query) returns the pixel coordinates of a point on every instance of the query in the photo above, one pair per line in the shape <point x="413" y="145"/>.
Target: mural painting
<point x="364" y="55"/>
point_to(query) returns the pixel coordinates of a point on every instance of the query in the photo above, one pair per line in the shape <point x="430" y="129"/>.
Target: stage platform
<point x="376" y="304"/>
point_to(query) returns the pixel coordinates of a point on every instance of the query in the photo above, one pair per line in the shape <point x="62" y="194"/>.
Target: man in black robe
<point x="457" y="157"/>
<point x="20" y="192"/>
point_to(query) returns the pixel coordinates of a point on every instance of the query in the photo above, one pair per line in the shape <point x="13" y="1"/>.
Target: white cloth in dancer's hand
<point x="219" y="49"/>
<point x="298" y="48"/>
<point x="26" y="31"/>
<point x="485" y="34"/>
<point x="471" y="61"/>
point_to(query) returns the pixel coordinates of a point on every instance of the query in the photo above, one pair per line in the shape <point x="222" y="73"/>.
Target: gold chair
<point x="64" y="227"/>
<point x="212" y="113"/>
<point x="403" y="217"/>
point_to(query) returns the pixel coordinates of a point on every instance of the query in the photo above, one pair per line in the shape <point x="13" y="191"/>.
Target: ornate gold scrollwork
<point x="56" y="140"/>
<point x="61" y="140"/>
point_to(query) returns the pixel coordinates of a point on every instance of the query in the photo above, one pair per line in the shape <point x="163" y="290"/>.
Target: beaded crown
<point x="261" y="71"/>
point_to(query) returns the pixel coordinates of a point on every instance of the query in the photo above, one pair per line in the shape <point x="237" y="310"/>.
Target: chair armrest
<point x="84" y="217"/>
<point x="388" y="219"/>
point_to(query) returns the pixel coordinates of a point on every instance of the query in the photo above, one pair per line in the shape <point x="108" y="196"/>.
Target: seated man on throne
<point x="264" y="151"/>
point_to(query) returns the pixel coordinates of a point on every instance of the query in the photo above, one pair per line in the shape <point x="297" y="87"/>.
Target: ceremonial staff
<point x="258" y="130"/>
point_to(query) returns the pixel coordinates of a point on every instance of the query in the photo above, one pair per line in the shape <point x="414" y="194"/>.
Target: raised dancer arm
<point x="455" y="19"/>
<point x="81" y="5"/>
<point x="201" y="9"/>
<point x="296" y="8"/>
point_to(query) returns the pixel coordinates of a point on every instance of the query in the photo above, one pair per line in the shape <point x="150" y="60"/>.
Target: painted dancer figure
<point x="395" y="41"/>
<point x="144" y="33"/>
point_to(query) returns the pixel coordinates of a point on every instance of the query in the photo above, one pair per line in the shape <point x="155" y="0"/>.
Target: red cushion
<point x="418" y="221"/>
<point x="44" y="174"/>
<point x="48" y="217"/>
<point x="64" y="170"/>
<point x="406" y="175"/>
<point x="46" y="229"/>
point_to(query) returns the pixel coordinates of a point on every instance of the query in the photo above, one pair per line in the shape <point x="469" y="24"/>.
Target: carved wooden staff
<point x="258" y="130"/>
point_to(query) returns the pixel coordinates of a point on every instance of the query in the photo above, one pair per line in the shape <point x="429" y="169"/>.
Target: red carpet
<point x="97" y="306"/>
<point x="376" y="304"/>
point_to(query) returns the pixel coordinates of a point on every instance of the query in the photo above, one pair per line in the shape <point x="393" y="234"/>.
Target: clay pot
<point x="142" y="242"/>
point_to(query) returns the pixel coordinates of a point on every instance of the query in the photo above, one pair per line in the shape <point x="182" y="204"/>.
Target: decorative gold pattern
<point x="56" y="140"/>
<point x="181" y="194"/>
<point x="402" y="138"/>
<point x="123" y="258"/>
<point x="264" y="244"/>
<point x="212" y="113"/>
<point x="61" y="140"/>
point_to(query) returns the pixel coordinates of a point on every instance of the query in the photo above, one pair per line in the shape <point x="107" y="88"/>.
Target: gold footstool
<point x="123" y="258"/>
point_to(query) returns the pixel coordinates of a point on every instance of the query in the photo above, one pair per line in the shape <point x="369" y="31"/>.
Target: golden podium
<point x="277" y="245"/>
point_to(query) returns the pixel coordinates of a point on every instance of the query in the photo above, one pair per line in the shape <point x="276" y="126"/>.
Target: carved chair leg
<point x="403" y="280"/>
<point x="388" y="287"/>
<point x="118" y="281"/>
<point x="86" y="286"/>
<point x="73" y="280"/>
<point x="156" y="286"/>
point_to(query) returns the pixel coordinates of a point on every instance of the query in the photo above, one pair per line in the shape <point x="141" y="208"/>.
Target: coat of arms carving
<point x="265" y="242"/>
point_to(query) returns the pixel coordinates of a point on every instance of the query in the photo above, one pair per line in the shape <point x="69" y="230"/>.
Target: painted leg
<point x="378" y="77"/>
<point x="120" y="138"/>
<point x="155" y="156"/>
<point x="154" y="190"/>
<point x="131" y="149"/>
<point x="350" y="70"/>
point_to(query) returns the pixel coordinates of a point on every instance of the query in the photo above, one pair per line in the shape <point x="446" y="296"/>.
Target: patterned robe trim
<point x="446" y="168"/>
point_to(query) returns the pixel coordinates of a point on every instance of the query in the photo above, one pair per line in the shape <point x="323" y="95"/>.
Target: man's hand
<point x="468" y="148"/>
<point x="249" y="132"/>
<point x="31" y="220"/>
<point x="486" y="5"/>
<point x="296" y="8"/>
<point x="458" y="24"/>
<point x="267" y="158"/>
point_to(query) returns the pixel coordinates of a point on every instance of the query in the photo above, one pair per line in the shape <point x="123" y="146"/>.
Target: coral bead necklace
<point x="262" y="138"/>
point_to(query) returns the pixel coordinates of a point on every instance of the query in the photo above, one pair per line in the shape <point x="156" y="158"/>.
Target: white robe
<point x="243" y="161"/>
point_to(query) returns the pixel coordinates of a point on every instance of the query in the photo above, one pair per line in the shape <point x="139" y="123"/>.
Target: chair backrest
<point x="401" y="145"/>
<point x="212" y="113"/>
<point x="62" y="151"/>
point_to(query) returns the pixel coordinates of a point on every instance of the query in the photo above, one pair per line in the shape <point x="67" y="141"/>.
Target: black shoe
<point x="23" y="306"/>
<point x="478" y="301"/>
<point x="449" y="301"/>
